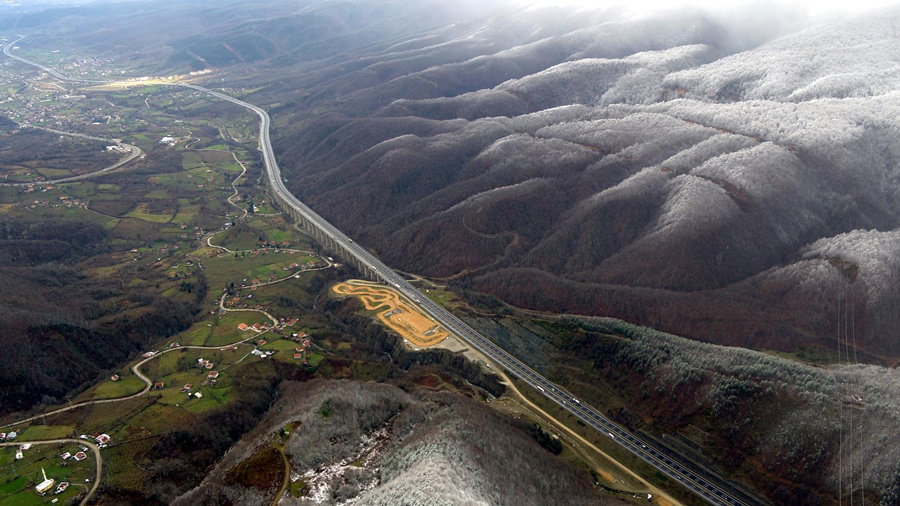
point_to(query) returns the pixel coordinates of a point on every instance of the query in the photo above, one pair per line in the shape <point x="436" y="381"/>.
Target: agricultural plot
<point x="109" y="389"/>
<point x="150" y="219"/>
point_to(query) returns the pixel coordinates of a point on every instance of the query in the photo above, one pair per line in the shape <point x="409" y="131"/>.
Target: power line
<point x="841" y="410"/>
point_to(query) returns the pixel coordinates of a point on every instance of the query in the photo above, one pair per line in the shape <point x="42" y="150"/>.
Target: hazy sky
<point x="812" y="6"/>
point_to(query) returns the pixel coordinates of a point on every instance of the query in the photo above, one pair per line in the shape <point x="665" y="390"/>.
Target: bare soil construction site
<point x="397" y="314"/>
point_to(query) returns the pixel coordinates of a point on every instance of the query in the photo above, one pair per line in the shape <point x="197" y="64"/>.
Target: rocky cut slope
<point x="664" y="168"/>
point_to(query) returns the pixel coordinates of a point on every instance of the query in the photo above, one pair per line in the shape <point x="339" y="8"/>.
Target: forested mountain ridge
<point x="666" y="178"/>
<point x="688" y="170"/>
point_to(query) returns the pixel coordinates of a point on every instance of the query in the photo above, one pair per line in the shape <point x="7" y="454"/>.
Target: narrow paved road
<point x="134" y="152"/>
<point x="136" y="369"/>
<point x="94" y="448"/>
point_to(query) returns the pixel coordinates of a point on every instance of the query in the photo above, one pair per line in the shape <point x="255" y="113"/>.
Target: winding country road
<point x="136" y="369"/>
<point x="134" y="152"/>
<point x="94" y="448"/>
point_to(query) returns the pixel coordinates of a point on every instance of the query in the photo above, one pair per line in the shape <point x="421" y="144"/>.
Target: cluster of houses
<point x="300" y="352"/>
<point x="262" y="354"/>
<point x="47" y="484"/>
<point x="20" y="451"/>
<point x="274" y="244"/>
<point x="237" y="302"/>
<point x="186" y="389"/>
<point x="33" y="187"/>
<point x="46" y="109"/>
<point x="64" y="201"/>
<point x="256" y="327"/>
<point x="283" y="323"/>
<point x="101" y="439"/>
<point x="77" y="457"/>
<point x="294" y="266"/>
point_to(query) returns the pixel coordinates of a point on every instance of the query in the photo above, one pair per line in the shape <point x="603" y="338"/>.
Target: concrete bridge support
<point x="327" y="242"/>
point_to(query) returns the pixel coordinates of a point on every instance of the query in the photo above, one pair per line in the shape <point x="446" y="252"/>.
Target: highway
<point x="666" y="464"/>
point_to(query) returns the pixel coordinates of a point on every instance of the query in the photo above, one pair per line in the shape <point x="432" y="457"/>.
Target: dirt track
<point x="397" y="314"/>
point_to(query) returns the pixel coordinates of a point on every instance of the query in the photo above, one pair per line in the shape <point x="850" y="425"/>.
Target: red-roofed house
<point x="243" y="326"/>
<point x="298" y="356"/>
<point x="80" y="456"/>
<point x="213" y="374"/>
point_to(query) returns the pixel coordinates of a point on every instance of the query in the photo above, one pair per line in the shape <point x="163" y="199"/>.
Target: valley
<point x="160" y="388"/>
<point x="657" y="248"/>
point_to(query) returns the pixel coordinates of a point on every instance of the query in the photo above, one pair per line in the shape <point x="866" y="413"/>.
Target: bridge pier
<point x="328" y="243"/>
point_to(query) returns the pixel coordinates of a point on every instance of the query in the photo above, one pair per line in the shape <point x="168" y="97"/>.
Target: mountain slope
<point x="666" y="166"/>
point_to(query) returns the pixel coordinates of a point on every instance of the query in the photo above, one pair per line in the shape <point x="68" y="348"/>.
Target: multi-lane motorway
<point x="666" y="464"/>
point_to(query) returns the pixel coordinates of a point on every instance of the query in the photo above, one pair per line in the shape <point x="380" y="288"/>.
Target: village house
<point x="243" y="326"/>
<point x="65" y="456"/>
<point x="213" y="374"/>
<point x="80" y="456"/>
<point x="115" y="377"/>
<point x="159" y="385"/>
<point x="298" y="356"/>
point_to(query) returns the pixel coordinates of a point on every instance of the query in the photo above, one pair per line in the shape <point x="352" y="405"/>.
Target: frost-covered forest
<point x="375" y="444"/>
<point x="725" y="180"/>
<point x="733" y="179"/>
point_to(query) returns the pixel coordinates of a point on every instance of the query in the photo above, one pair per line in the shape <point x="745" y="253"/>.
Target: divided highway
<point x="667" y="465"/>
